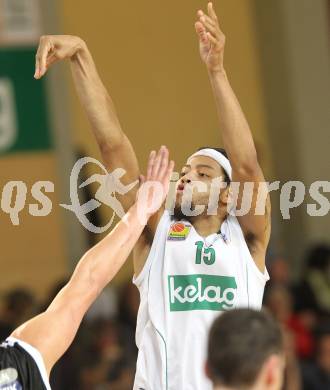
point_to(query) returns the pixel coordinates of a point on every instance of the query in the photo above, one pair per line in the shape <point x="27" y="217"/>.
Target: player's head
<point x="206" y="172"/>
<point x="322" y="346"/>
<point x="245" y="351"/>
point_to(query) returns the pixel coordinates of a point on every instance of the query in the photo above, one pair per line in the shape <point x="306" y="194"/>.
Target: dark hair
<point x="18" y="299"/>
<point x="222" y="151"/>
<point x="321" y="331"/>
<point x="239" y="343"/>
<point x="318" y="257"/>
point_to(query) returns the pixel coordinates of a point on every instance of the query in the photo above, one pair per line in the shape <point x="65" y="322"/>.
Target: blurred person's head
<point x="323" y="347"/>
<point x="106" y="339"/>
<point x="245" y="351"/>
<point x="317" y="278"/>
<point x="92" y="372"/>
<point x="279" y="301"/>
<point x="18" y="306"/>
<point x="318" y="258"/>
<point x="279" y="271"/>
<point x="202" y="169"/>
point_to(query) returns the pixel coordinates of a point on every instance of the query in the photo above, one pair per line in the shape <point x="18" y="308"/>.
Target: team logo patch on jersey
<point x="178" y="231"/>
<point x="201" y="292"/>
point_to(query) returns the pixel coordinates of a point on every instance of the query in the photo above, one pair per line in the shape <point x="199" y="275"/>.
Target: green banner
<point x="24" y="122"/>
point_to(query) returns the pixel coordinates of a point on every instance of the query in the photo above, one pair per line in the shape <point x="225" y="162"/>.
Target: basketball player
<point x="245" y="351"/>
<point x="188" y="268"/>
<point x="28" y="355"/>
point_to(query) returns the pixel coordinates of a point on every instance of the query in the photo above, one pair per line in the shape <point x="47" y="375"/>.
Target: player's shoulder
<point x="150" y="238"/>
<point x="161" y="217"/>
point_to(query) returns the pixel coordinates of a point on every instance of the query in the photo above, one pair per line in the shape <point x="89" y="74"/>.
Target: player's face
<point x="197" y="177"/>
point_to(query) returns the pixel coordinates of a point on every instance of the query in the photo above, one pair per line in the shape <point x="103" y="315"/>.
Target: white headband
<point x="218" y="157"/>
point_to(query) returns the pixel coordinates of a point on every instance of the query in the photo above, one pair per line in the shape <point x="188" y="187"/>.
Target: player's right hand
<point x="53" y="48"/>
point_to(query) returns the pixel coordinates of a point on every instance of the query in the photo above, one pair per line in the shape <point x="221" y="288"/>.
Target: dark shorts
<point x="21" y="367"/>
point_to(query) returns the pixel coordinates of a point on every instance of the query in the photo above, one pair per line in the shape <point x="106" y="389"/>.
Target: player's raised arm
<point x="52" y="332"/>
<point x="236" y="133"/>
<point x="116" y="149"/>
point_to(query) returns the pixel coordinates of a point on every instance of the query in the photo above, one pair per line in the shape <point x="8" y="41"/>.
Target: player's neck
<point x="207" y="224"/>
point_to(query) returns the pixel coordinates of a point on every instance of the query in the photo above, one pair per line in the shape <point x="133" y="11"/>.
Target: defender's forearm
<point x="236" y="132"/>
<point x="95" y="99"/>
<point x="102" y="262"/>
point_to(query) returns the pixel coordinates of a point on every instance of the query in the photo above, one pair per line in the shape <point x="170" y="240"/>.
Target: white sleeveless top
<point x="187" y="281"/>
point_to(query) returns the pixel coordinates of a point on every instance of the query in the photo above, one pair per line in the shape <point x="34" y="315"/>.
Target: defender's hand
<point x="211" y="39"/>
<point x="53" y="48"/>
<point x="155" y="186"/>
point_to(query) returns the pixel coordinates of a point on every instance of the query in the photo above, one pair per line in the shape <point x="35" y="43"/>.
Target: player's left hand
<point x="155" y="185"/>
<point x="211" y="39"/>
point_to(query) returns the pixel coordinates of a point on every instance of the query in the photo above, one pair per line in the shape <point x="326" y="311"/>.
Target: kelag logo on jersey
<point x="201" y="292"/>
<point x="8" y="379"/>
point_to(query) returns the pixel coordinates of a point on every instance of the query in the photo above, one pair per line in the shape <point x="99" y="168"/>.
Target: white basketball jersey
<point x="186" y="283"/>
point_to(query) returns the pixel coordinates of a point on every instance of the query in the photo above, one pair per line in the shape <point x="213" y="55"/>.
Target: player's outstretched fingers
<point x="41" y="57"/>
<point x="156" y="166"/>
<point x="213" y="16"/>
<point x="212" y="39"/>
<point x="201" y="32"/>
<point x="37" y="73"/>
<point x="209" y="26"/>
<point x="37" y="67"/>
<point x="207" y="18"/>
<point x="142" y="180"/>
<point x="51" y="59"/>
<point x="163" y="164"/>
<point x="211" y="12"/>
<point x="151" y="163"/>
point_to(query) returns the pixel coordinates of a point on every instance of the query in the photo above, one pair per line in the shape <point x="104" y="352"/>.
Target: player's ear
<point x="273" y="371"/>
<point x="226" y="195"/>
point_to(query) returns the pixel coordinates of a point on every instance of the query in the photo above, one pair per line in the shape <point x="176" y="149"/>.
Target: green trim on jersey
<point x="166" y="370"/>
